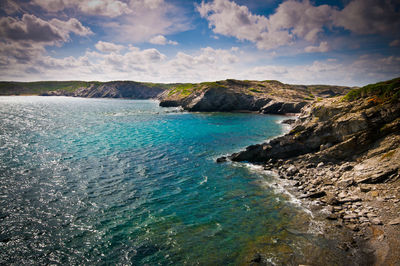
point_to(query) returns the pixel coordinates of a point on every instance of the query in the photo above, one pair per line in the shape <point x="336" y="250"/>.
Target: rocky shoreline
<point x="343" y="154"/>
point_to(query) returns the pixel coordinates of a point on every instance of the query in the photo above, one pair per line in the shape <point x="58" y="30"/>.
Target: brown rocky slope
<point x="344" y="153"/>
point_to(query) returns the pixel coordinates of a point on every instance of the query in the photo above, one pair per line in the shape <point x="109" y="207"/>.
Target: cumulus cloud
<point x="23" y="39"/>
<point x="322" y="48"/>
<point x="291" y="19"/>
<point x="294" y="20"/>
<point x="206" y="64"/>
<point x="109" y="8"/>
<point x="369" y="17"/>
<point x="149" y="18"/>
<point x="161" y="40"/>
<point x="108" y="47"/>
<point x="152" y="4"/>
<point x="32" y="28"/>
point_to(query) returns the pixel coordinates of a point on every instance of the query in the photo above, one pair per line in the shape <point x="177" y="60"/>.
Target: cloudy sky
<point x="347" y="42"/>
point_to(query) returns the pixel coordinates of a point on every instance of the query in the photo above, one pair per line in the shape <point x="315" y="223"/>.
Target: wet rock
<point x="289" y="121"/>
<point x="222" y="159"/>
<point x="257" y="258"/>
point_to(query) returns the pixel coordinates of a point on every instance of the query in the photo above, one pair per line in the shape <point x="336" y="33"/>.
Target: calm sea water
<point x="106" y="181"/>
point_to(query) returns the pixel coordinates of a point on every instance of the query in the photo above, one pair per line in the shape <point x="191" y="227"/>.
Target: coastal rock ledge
<point x="344" y="153"/>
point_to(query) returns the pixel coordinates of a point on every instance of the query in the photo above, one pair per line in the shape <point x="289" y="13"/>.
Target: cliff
<point x="344" y="152"/>
<point x="269" y="96"/>
<point x="91" y="89"/>
<point x="113" y="89"/>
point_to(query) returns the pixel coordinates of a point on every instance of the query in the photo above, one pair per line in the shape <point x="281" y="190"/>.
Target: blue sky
<point x="348" y="42"/>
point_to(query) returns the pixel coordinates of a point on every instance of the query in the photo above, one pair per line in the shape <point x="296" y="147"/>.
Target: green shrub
<point x="386" y="91"/>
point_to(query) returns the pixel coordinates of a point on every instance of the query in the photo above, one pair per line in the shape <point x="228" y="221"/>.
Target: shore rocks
<point x="345" y="156"/>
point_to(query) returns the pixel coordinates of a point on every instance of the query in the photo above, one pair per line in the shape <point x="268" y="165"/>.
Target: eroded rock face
<point x="113" y="89"/>
<point x="337" y="131"/>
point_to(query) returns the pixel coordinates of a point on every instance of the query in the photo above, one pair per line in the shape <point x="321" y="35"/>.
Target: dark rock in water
<point x="257" y="258"/>
<point x="221" y="159"/>
<point x="276" y="107"/>
<point x="289" y="121"/>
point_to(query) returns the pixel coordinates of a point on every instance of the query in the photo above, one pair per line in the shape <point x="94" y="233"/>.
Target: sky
<point x="347" y="42"/>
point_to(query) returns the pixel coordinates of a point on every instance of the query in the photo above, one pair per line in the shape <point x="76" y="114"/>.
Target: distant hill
<point x="268" y="96"/>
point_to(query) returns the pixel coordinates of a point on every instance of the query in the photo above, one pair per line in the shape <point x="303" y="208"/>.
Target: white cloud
<point x="109" y="8"/>
<point x="108" y="47"/>
<point x="322" y="48"/>
<point x="303" y="19"/>
<point x="161" y="40"/>
<point x="152" y="4"/>
<point x="291" y="19"/>
<point x="25" y="38"/>
<point x="369" y="17"/>
<point x="32" y="28"/>
<point x="299" y="20"/>
<point x="147" y="20"/>
<point x="113" y="62"/>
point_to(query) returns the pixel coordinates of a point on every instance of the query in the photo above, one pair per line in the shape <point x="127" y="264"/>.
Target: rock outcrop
<point x="269" y="97"/>
<point x="344" y="153"/>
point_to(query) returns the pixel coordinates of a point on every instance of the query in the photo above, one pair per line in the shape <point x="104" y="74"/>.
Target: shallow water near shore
<point x="108" y="181"/>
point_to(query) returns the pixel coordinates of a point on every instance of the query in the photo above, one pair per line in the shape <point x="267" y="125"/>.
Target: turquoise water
<point x="107" y="181"/>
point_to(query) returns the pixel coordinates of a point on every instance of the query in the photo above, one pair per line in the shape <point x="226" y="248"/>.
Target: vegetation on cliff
<point x="381" y="91"/>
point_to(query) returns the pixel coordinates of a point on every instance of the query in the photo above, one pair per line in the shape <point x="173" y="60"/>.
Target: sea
<point x="126" y="182"/>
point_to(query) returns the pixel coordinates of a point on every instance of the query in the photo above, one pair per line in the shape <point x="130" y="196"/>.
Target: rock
<point x="292" y="170"/>
<point x="395" y="221"/>
<point x="257" y="258"/>
<point x="289" y="121"/>
<point x="332" y="200"/>
<point x="314" y="195"/>
<point x="374" y="193"/>
<point x="345" y="167"/>
<point x="332" y="216"/>
<point x="349" y="216"/>
<point x="365" y="188"/>
<point x="350" y="199"/>
<point x="376" y="221"/>
<point x="321" y="164"/>
<point x="353" y="227"/>
<point x="222" y="159"/>
<point x="346" y="183"/>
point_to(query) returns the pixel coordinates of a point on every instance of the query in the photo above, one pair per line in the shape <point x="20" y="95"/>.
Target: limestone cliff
<point x="364" y="129"/>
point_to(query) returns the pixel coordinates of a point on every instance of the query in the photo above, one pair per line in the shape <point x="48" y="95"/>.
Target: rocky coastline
<point x="343" y="154"/>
